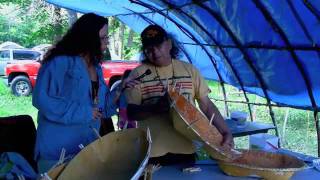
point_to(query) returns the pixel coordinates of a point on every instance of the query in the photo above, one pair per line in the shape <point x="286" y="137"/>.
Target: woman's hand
<point x="96" y="113"/>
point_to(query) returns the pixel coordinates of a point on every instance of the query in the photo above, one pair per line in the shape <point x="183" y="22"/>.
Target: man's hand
<point x="130" y="82"/>
<point x="227" y="140"/>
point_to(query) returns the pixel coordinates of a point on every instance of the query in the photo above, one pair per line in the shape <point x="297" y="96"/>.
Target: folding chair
<point x="18" y="134"/>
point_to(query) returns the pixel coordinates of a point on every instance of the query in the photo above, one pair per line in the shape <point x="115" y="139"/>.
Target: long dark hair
<point x="81" y="38"/>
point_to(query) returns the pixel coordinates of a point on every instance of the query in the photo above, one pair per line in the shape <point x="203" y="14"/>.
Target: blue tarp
<point x="267" y="47"/>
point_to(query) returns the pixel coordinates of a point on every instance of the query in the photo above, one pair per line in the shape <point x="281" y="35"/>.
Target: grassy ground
<point x="12" y="105"/>
<point x="299" y="134"/>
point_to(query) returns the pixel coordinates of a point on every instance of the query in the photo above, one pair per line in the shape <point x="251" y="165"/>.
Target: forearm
<point x="213" y="114"/>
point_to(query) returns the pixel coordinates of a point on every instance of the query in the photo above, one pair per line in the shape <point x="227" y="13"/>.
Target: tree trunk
<point x="57" y="23"/>
<point x="112" y="40"/>
<point x="121" y="40"/>
<point x="130" y="38"/>
<point x="72" y="17"/>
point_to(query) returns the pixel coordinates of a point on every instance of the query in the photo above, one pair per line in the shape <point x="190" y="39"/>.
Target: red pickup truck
<point x="22" y="75"/>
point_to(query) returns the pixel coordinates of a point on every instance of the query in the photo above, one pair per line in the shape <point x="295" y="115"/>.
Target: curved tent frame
<point x="265" y="47"/>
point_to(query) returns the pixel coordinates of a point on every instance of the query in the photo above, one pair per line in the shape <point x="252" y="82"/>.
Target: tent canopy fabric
<point x="267" y="47"/>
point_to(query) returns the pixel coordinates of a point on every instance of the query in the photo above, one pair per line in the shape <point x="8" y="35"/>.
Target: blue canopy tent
<point x="266" y="47"/>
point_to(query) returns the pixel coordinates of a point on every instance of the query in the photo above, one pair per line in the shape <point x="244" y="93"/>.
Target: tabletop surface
<point x="249" y="128"/>
<point x="210" y="170"/>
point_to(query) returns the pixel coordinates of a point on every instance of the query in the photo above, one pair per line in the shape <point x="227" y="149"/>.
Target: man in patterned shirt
<point x="148" y="101"/>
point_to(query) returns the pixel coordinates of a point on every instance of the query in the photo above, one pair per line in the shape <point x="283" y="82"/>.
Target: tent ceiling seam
<point x="299" y="20"/>
<point x="314" y="47"/>
<point x="312" y="9"/>
<point x="188" y="33"/>
<point x="150" y="12"/>
<point x="304" y="14"/>
<point x="192" y="37"/>
<point x="301" y="23"/>
<point x="223" y="53"/>
<point x="235" y="39"/>
<point x="295" y="58"/>
<point x="246" y="56"/>
<point x="152" y="22"/>
<point x="211" y="58"/>
<point x="184" y="30"/>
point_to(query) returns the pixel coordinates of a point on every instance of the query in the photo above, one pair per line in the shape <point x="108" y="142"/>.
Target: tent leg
<point x="316" y="119"/>
<point x="273" y="120"/>
<point x="225" y="100"/>
<point x="285" y="126"/>
<point x="249" y="106"/>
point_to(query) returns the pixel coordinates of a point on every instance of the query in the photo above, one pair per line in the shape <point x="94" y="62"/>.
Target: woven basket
<point x="117" y="155"/>
<point x="250" y="162"/>
<point x="197" y="127"/>
<point x="272" y="166"/>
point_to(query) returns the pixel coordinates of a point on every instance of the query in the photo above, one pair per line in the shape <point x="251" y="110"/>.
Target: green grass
<point x="300" y="132"/>
<point x="11" y="105"/>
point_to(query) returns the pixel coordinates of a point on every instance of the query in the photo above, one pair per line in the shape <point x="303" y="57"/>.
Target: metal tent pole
<point x="295" y="58"/>
<point x="246" y="56"/>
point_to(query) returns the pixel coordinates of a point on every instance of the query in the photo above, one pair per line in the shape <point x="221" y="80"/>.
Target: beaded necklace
<point x="166" y="83"/>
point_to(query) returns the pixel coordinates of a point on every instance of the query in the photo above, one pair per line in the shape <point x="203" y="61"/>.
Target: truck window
<point x="4" y="55"/>
<point x="25" y="55"/>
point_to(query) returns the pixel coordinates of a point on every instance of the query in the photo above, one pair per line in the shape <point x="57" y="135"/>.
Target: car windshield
<point x="25" y="55"/>
<point x="4" y="55"/>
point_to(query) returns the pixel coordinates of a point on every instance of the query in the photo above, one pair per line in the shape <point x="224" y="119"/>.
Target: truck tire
<point x="114" y="79"/>
<point x="115" y="85"/>
<point x="21" y="86"/>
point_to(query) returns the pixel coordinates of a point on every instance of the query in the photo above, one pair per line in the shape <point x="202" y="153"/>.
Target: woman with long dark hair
<point x="70" y="93"/>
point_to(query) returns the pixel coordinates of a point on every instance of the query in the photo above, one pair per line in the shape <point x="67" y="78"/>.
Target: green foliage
<point x="134" y="48"/>
<point x="21" y="3"/>
<point x="28" y="24"/>
<point x="128" y="51"/>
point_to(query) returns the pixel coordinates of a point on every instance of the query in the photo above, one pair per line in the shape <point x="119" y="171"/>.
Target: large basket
<point x="117" y="155"/>
<point x="272" y="166"/>
<point x="198" y="125"/>
<point x="55" y="172"/>
<point x="248" y="163"/>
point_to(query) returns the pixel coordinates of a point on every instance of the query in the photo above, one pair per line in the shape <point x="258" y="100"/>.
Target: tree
<point x="124" y="42"/>
<point x="29" y="22"/>
<point x="57" y="23"/>
<point x="72" y="17"/>
<point x="33" y="22"/>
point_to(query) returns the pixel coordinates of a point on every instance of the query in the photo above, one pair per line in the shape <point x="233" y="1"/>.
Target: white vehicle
<point x="42" y="47"/>
<point x="9" y="55"/>
<point x="10" y="45"/>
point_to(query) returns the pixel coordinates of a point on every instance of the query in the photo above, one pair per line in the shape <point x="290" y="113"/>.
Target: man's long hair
<point x="82" y="38"/>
